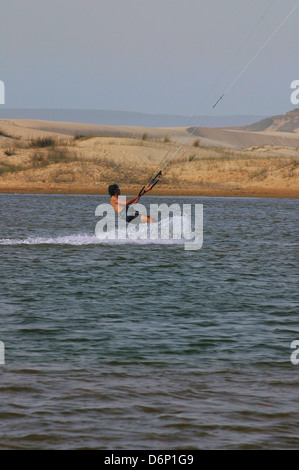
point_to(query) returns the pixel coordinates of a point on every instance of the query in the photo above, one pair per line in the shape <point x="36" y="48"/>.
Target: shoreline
<point x="130" y="190"/>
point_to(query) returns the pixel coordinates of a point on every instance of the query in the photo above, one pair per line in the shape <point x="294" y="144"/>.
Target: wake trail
<point x="134" y="234"/>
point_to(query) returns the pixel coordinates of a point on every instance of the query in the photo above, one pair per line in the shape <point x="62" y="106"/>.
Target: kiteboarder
<point x="121" y="206"/>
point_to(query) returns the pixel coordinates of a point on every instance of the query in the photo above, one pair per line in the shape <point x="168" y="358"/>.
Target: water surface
<point x="146" y="345"/>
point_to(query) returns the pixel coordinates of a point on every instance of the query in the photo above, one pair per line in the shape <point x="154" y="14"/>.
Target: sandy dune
<point x="239" y="139"/>
<point x="230" y="138"/>
<point x="227" y="162"/>
<point x="24" y="128"/>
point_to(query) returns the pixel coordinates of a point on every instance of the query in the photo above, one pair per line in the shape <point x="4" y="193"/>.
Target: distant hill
<point x="125" y="118"/>
<point x="288" y="122"/>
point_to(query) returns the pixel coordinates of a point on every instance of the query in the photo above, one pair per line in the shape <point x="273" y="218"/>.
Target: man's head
<point x="113" y="189"/>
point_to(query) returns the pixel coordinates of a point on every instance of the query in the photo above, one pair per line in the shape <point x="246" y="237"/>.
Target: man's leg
<point x="147" y="219"/>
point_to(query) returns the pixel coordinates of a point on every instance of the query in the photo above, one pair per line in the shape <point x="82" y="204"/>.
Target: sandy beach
<point x="57" y="157"/>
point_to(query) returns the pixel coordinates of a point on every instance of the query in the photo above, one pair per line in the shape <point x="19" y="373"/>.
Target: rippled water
<point x="146" y="345"/>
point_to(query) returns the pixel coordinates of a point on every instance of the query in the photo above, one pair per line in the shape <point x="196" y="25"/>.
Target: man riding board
<point x="121" y="206"/>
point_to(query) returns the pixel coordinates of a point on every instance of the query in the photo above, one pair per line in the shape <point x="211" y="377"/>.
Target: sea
<point x="142" y="344"/>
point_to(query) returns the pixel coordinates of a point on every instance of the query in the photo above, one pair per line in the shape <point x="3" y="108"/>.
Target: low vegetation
<point x="129" y="161"/>
<point x="3" y="133"/>
<point x="11" y="150"/>
<point x="43" y="142"/>
<point x="52" y="156"/>
<point x="6" y="167"/>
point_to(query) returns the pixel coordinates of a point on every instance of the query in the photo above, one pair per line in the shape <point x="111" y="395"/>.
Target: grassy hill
<point x="288" y="122"/>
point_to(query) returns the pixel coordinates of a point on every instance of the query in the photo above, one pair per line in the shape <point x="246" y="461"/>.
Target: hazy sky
<point x="152" y="56"/>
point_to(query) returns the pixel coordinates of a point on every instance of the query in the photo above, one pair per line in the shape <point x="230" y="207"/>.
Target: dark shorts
<point x="129" y="217"/>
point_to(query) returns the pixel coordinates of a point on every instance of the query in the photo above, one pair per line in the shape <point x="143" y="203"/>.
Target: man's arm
<point x="131" y="200"/>
<point x="121" y="203"/>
